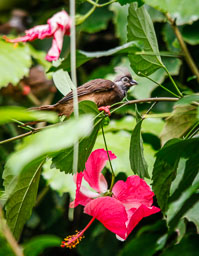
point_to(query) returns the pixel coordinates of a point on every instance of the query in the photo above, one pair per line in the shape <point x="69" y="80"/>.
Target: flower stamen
<point x="72" y="240"/>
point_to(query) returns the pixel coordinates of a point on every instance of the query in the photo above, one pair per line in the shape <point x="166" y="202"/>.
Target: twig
<point x="106" y="147"/>
<point x="9" y="236"/>
<point x="143" y="101"/>
<point x="81" y="19"/>
<point x="183" y="45"/>
<point x="159" y="84"/>
<point x="167" y="99"/>
<point x="100" y="5"/>
<point x="173" y="82"/>
<point x="149" y="110"/>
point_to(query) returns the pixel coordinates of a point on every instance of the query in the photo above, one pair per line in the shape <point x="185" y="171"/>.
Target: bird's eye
<point x="125" y="79"/>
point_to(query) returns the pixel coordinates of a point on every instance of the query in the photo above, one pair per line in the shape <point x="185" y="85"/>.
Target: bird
<point x="101" y="91"/>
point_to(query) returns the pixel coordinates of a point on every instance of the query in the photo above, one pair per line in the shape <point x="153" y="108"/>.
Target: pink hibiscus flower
<point x="57" y="27"/>
<point x="119" y="210"/>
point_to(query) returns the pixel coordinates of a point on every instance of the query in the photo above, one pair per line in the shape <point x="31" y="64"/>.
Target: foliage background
<point x="169" y="131"/>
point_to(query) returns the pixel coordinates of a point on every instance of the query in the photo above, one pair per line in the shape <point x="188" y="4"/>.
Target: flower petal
<point x="94" y="166"/>
<point x="136" y="215"/>
<point x="80" y="198"/>
<point x="110" y="212"/>
<point x="60" y="20"/>
<point x="38" y="32"/>
<point x="133" y="193"/>
<point x="54" y="52"/>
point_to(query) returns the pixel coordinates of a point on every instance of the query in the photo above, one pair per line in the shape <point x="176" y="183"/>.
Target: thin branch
<point x="106" y="147"/>
<point x="143" y="101"/>
<point x="149" y="110"/>
<point x="100" y="5"/>
<point x="183" y="45"/>
<point x="159" y="85"/>
<point x="173" y="82"/>
<point x="9" y="236"/>
<point x="122" y="104"/>
<point x="80" y="19"/>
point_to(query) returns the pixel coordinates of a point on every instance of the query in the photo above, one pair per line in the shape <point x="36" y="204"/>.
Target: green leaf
<point x="120" y="20"/>
<point x="37" y="245"/>
<point x="65" y="64"/>
<point x="58" y="181"/>
<point x="125" y="48"/>
<point x="180" y="10"/>
<point x="188" y="198"/>
<point x="188" y="246"/>
<point x="140" y="27"/>
<point x="170" y="38"/>
<point x="22" y="114"/>
<point x="139" y="2"/>
<point x="150" y="125"/>
<point x="83" y="56"/>
<point x="180" y="200"/>
<point x="15" y="63"/>
<point x="22" y="199"/>
<point x="64" y="159"/>
<point x="166" y="165"/>
<point x="63" y="81"/>
<point x="179" y="122"/>
<point x="193" y="215"/>
<point x="155" y="15"/>
<point x="136" y="152"/>
<point x="148" y="236"/>
<point x="187" y="99"/>
<point x="49" y="141"/>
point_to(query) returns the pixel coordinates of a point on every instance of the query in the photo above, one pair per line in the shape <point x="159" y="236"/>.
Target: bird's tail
<point x="45" y="107"/>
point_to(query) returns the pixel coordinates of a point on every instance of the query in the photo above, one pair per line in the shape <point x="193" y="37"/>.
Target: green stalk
<point x="160" y="85"/>
<point x="173" y="82"/>
<point x="100" y="5"/>
<point x="112" y="172"/>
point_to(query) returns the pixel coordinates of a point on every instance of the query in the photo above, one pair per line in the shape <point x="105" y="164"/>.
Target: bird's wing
<point x="93" y="86"/>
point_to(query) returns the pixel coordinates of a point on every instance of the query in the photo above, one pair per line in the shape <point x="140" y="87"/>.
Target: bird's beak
<point x="133" y="82"/>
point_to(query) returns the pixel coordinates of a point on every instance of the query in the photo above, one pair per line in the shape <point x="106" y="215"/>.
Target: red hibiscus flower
<point x="119" y="210"/>
<point x="57" y="27"/>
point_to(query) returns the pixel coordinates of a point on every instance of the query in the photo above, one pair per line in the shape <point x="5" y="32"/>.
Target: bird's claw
<point x="106" y="109"/>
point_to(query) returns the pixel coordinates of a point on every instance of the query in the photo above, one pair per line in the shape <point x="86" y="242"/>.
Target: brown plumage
<point x="101" y="91"/>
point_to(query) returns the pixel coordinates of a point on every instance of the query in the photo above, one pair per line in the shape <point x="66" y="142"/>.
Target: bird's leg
<point x="106" y="109"/>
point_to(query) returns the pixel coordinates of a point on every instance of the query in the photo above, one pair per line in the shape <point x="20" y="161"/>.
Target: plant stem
<point x="192" y="131"/>
<point x="149" y="110"/>
<point x="145" y="100"/>
<point x="167" y="99"/>
<point x="9" y="236"/>
<point x="74" y="78"/>
<point x="100" y="5"/>
<point x="159" y="85"/>
<point x="112" y="172"/>
<point x="23" y="125"/>
<point x="183" y="45"/>
<point x="173" y="82"/>
<point x="81" y="19"/>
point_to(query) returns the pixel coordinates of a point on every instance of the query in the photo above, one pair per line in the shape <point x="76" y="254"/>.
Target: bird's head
<point x="124" y="78"/>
